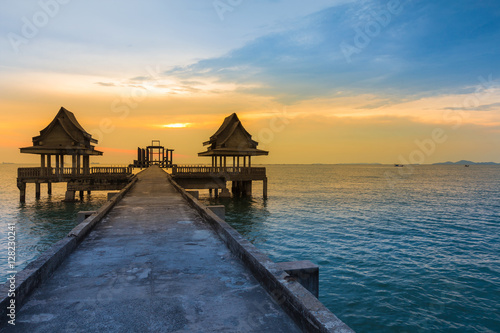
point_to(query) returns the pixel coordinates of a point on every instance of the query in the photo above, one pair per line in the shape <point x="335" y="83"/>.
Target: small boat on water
<point x="399" y="165"/>
<point x="466" y="165"/>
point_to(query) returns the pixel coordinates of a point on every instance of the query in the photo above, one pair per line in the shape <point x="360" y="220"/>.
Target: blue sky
<point x="393" y="70"/>
<point x="426" y="48"/>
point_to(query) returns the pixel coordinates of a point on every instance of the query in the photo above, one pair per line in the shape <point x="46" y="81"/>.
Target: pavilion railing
<point x="48" y="172"/>
<point x="199" y="169"/>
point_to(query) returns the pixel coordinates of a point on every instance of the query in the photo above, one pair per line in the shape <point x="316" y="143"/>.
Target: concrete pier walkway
<point x="152" y="265"/>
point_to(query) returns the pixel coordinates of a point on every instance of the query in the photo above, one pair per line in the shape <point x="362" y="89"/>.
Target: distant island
<point x="464" y="162"/>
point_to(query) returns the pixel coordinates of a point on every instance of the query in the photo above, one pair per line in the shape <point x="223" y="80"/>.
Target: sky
<point x="324" y="81"/>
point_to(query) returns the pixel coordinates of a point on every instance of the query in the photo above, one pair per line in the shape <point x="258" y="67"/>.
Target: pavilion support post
<point x="49" y="165"/>
<point x="247" y="188"/>
<point x="62" y="164"/>
<point x="81" y="195"/>
<point x="73" y="164"/>
<point x="42" y="164"/>
<point x="249" y="161"/>
<point x="216" y="192"/>
<point x="89" y="192"/>
<point x="57" y="165"/>
<point x="86" y="164"/>
<point x="22" y="191"/>
<point x="78" y="164"/>
<point x="37" y="190"/>
<point x="49" y="188"/>
<point x="235" y="188"/>
<point x="210" y="192"/>
<point x="264" y="188"/>
<point x="70" y="196"/>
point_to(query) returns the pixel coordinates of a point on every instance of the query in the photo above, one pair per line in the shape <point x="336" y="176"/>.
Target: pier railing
<point x="23" y="173"/>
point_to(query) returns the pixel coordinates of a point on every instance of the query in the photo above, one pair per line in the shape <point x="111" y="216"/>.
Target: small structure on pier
<point x="156" y="154"/>
<point x="64" y="136"/>
<point x="231" y="149"/>
<point x="233" y="141"/>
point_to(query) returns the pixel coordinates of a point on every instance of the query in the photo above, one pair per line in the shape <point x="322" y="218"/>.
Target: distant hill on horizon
<point x="464" y="162"/>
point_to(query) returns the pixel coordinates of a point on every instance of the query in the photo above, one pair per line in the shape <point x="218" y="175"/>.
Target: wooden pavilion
<point x="231" y="149"/>
<point x="64" y="136"/>
<point x="232" y="140"/>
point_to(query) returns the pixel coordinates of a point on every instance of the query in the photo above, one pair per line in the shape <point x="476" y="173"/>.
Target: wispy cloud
<point x="487" y="107"/>
<point x="106" y="84"/>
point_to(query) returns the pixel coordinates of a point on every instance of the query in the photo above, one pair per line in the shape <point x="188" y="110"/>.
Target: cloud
<point x="106" y="84"/>
<point x="487" y="107"/>
<point x="141" y="78"/>
<point x="429" y="48"/>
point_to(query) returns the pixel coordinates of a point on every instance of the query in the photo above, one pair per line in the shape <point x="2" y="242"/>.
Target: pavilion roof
<point x="232" y="139"/>
<point x="63" y="135"/>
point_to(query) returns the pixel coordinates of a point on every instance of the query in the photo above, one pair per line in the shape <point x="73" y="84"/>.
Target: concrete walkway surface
<point x="151" y="265"/>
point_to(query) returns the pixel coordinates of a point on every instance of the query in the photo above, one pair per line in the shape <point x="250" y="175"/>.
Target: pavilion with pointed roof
<point x="232" y="140"/>
<point x="62" y="137"/>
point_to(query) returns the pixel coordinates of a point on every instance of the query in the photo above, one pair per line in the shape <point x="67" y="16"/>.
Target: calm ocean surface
<point x="415" y="250"/>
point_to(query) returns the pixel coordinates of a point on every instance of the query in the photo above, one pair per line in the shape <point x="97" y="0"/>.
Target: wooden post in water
<point x="37" y="190"/>
<point x="264" y="188"/>
<point x="22" y="191"/>
<point x="70" y="196"/>
<point x="247" y="188"/>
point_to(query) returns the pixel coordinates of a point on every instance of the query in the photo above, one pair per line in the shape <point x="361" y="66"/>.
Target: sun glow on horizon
<point x="177" y="125"/>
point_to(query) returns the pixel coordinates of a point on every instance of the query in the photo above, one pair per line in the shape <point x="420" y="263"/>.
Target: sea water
<point x="412" y="249"/>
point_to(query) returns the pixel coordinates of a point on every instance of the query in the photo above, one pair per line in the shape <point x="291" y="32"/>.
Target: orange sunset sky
<point x="322" y="82"/>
